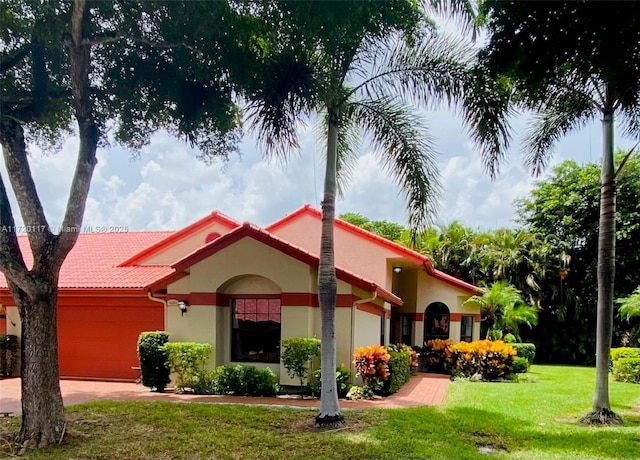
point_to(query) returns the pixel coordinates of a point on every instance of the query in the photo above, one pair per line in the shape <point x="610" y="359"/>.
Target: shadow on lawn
<point x="459" y="432"/>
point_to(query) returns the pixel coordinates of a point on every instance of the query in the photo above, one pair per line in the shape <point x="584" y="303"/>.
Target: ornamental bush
<point x="187" y="360"/>
<point x="297" y="355"/>
<point x="343" y="381"/>
<point x="525" y="350"/>
<point x="435" y="354"/>
<point x="399" y="368"/>
<point x="627" y="370"/>
<point x="520" y="365"/>
<point x="239" y="380"/>
<point x="9" y="352"/>
<point x="372" y="365"/>
<point x="153" y="359"/>
<point x="491" y="359"/>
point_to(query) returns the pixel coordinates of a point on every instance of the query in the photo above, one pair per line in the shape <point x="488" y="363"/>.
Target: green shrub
<point x="239" y="380"/>
<point x="509" y="338"/>
<point x="627" y="370"/>
<point x="205" y="383"/>
<point x="624" y="352"/>
<point x="363" y="392"/>
<point x="495" y="334"/>
<point x="343" y="381"/>
<point x="297" y="353"/>
<point x="9" y="352"/>
<point x="525" y="350"/>
<point x="153" y="359"/>
<point x="399" y="369"/>
<point x="520" y="365"/>
<point x="187" y="359"/>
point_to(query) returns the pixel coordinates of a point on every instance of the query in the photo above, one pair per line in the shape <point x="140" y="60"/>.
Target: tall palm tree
<point x="357" y="64"/>
<point x="573" y="62"/>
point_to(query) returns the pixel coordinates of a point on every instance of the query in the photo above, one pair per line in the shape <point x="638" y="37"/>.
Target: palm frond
<point x="287" y="91"/>
<point x="463" y="12"/>
<point x="564" y="110"/>
<point x="439" y="71"/>
<point x="406" y="151"/>
<point x="631" y="116"/>
<point x="486" y="108"/>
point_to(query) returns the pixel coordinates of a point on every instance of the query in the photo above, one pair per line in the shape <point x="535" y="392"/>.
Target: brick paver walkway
<point x="421" y="390"/>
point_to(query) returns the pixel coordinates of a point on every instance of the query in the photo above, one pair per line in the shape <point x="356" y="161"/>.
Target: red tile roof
<point x="93" y="261"/>
<point x="214" y="217"/>
<point x="402" y="251"/>
<point x="251" y="231"/>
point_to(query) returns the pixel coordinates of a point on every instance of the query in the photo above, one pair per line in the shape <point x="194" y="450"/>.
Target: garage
<point x="99" y="341"/>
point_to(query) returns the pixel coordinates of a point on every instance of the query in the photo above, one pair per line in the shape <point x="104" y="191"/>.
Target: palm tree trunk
<point x="602" y="413"/>
<point x="328" y="286"/>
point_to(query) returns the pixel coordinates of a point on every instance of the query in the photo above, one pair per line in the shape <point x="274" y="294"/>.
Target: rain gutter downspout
<point x="352" y="345"/>
<point x="163" y="302"/>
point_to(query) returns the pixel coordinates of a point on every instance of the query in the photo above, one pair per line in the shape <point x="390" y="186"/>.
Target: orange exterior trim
<point x="417" y="316"/>
<point x="214" y="217"/>
<point x="458" y="316"/>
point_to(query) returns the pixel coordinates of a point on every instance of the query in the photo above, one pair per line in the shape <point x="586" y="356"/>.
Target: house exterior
<point x="242" y="289"/>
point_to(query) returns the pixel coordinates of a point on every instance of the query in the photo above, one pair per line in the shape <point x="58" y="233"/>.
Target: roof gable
<point x="248" y="230"/>
<point x="371" y="238"/>
<point x="216" y="221"/>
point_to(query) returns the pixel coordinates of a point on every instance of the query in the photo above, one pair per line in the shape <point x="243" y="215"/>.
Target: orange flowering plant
<point x="372" y="365"/>
<point x="435" y="353"/>
<point x="491" y="359"/>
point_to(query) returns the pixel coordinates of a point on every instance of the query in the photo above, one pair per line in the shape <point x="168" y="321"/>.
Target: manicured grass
<point x="519" y="421"/>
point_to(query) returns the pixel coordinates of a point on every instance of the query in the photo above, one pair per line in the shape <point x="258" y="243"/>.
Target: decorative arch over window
<point x="437" y="320"/>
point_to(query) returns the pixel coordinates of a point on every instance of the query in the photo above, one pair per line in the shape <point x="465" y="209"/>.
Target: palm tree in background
<point x="359" y="76"/>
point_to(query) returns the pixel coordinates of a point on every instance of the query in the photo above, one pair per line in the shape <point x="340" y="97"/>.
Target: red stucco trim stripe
<point x="214" y="217"/>
<point x="458" y="316"/>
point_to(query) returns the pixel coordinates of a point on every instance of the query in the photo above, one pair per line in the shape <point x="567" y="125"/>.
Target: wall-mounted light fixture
<point x="183" y="307"/>
<point x="397" y="269"/>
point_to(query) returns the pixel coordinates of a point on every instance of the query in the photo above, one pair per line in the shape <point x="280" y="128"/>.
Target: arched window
<point x="436" y="321"/>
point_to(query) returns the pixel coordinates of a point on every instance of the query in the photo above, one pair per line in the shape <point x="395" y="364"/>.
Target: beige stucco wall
<point x="249" y="256"/>
<point x="198" y="324"/>
<point x="352" y="252"/>
<point x="433" y="290"/>
<point x="14" y="323"/>
<point x="185" y="246"/>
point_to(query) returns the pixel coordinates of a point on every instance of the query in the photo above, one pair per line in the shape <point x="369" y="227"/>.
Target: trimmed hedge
<point x="9" y="352"/>
<point x="627" y="370"/>
<point x="239" y="380"/>
<point x="525" y="350"/>
<point x="187" y="360"/>
<point x="399" y="368"/>
<point x="153" y="359"/>
<point x="520" y="365"/>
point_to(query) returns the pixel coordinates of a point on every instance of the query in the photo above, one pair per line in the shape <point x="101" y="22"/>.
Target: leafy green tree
<point x="383" y="228"/>
<point x="565" y="206"/>
<point x="571" y="62"/>
<point x="67" y="62"/>
<point x="630" y="306"/>
<point x="357" y="63"/>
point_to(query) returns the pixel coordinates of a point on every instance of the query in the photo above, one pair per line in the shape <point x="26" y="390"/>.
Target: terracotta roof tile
<point x="93" y="261"/>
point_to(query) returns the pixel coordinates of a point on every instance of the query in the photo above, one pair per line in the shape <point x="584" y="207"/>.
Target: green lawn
<point x="519" y="421"/>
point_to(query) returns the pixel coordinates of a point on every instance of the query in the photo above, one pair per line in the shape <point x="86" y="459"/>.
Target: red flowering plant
<point x="372" y="365"/>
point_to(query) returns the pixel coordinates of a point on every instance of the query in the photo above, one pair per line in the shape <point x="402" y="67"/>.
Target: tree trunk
<point x="602" y="413"/>
<point x="43" y="421"/>
<point x="328" y="286"/>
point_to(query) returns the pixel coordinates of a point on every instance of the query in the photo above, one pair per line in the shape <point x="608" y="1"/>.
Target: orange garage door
<point x="100" y="342"/>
